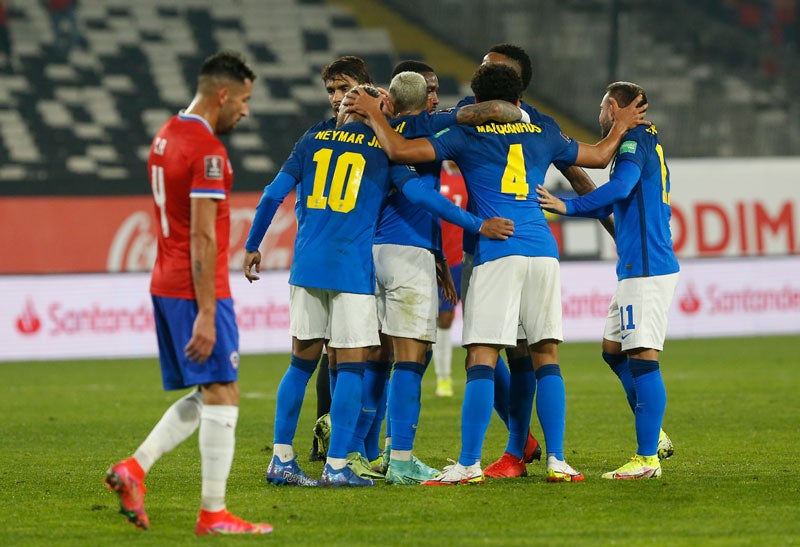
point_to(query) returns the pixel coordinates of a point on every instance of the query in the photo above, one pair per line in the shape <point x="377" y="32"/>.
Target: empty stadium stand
<point x="81" y="123"/>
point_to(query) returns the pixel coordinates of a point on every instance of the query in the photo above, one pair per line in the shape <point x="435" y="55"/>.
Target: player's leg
<point x="643" y="307"/>
<point x="353" y="330"/>
<point x="443" y="348"/>
<point x="308" y="313"/>
<point x="173" y="321"/>
<point x="541" y="318"/>
<point x="323" y="389"/>
<point x="491" y="317"/>
<point x="218" y="378"/>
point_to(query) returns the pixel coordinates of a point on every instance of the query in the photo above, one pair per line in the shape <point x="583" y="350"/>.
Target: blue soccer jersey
<point x="403" y="222"/>
<point x="638" y="193"/>
<point x="537" y="118"/>
<point x="342" y="177"/>
<point x="502" y="165"/>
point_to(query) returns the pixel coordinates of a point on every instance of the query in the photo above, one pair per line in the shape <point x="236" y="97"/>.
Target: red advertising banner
<point x="115" y="234"/>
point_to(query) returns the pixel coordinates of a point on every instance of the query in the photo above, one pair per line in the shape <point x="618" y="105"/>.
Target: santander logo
<point x="690" y="302"/>
<point x="28" y="321"/>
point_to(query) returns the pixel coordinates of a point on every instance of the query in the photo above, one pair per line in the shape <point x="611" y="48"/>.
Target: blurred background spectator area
<point x="77" y="113"/>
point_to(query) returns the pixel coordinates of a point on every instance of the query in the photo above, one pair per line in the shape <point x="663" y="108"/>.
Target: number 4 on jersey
<point x="515" y="179"/>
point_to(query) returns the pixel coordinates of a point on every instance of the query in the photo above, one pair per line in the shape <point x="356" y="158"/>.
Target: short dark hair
<point x="349" y="65"/>
<point x="625" y="92"/>
<point x="518" y="54"/>
<point x="411" y="66"/>
<point x="496" y="81"/>
<point x="227" y="64"/>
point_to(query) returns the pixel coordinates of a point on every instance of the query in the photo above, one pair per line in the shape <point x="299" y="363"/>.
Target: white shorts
<point x="510" y="291"/>
<point x="637" y="315"/>
<point x="467" y="262"/>
<point x="348" y="320"/>
<point x="408" y="298"/>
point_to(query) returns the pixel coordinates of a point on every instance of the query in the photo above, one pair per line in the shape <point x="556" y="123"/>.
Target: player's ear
<point x="223" y="93"/>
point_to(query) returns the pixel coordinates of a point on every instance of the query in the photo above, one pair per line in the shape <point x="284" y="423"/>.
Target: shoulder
<point x="330" y="123"/>
<point x="466" y="101"/>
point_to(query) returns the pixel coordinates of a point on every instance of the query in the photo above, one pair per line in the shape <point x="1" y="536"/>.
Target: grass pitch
<point x="732" y="414"/>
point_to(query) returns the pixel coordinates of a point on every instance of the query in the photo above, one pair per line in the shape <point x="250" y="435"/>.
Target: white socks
<point x="285" y="452"/>
<point x="178" y="422"/>
<point x="217" y="440"/>
<point x="443" y="354"/>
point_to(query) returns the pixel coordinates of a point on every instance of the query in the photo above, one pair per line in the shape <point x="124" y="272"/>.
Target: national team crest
<point x="213" y="167"/>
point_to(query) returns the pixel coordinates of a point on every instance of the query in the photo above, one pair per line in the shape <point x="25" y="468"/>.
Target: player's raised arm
<point x="397" y="148"/>
<point x="600" y="155"/>
<point x="488" y="111"/>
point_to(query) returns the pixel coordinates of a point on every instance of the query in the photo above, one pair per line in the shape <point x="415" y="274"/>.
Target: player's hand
<point x="204" y="336"/>
<point x="630" y="116"/>
<point x="387" y="106"/>
<point x="445" y="281"/>
<point x="497" y="228"/>
<point x="362" y="103"/>
<point x="252" y="258"/>
<point x="549" y="202"/>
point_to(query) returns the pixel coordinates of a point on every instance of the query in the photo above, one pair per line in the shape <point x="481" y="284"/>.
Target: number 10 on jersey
<point x="345" y="183"/>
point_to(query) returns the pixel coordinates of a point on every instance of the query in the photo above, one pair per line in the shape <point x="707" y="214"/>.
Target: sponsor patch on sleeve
<point x="566" y="137"/>
<point x="213" y="167"/>
<point x="628" y="147"/>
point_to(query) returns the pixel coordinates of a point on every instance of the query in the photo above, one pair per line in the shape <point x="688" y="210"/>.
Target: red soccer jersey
<point x="187" y="161"/>
<point x="454" y="189"/>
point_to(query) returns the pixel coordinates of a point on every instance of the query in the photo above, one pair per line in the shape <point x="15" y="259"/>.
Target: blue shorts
<point x="174" y="319"/>
<point x="444" y="305"/>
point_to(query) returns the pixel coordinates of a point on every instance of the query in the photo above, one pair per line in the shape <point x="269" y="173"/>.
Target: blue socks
<point x="291" y="392"/>
<point x="651" y="402"/>
<point x="345" y="407"/>
<point x="551" y="407"/>
<point x="521" y="392"/>
<point x="619" y="365"/>
<point x="502" y="387"/>
<point x="373" y="387"/>
<point x="404" y="403"/>
<point x="476" y="411"/>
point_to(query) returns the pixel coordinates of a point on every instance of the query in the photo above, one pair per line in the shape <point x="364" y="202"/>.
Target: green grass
<point x="732" y="414"/>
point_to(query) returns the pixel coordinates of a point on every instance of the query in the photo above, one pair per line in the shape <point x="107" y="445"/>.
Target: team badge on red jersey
<point x="213" y="166"/>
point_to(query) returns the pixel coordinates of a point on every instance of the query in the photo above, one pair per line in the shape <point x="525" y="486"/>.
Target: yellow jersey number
<point x="665" y="190"/>
<point x="515" y="179"/>
<point x="346" y="181"/>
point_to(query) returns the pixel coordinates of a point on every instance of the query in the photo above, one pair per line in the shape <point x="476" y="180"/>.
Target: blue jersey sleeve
<point x="598" y="203"/>
<point x="422" y="192"/>
<point x="271" y="199"/>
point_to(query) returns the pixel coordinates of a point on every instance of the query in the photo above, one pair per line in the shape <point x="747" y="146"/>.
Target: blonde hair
<point x="409" y="92"/>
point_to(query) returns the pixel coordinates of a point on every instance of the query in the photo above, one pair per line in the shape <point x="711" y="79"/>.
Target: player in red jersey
<point x="198" y="340"/>
<point x="455" y="190"/>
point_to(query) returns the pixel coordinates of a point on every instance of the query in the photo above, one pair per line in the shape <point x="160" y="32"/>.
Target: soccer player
<point x="342" y="178"/>
<point x="338" y="78"/>
<point x="521" y="447"/>
<point x="452" y="186"/>
<point x="514" y="280"/>
<point x="198" y="341"/>
<point x="406" y="247"/>
<point x="638" y="193"/>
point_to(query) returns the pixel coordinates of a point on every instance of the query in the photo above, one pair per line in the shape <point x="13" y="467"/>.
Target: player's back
<point x="187" y="160"/>
<point x="643" y="236"/>
<point x="344" y="178"/>
<point x="502" y="164"/>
